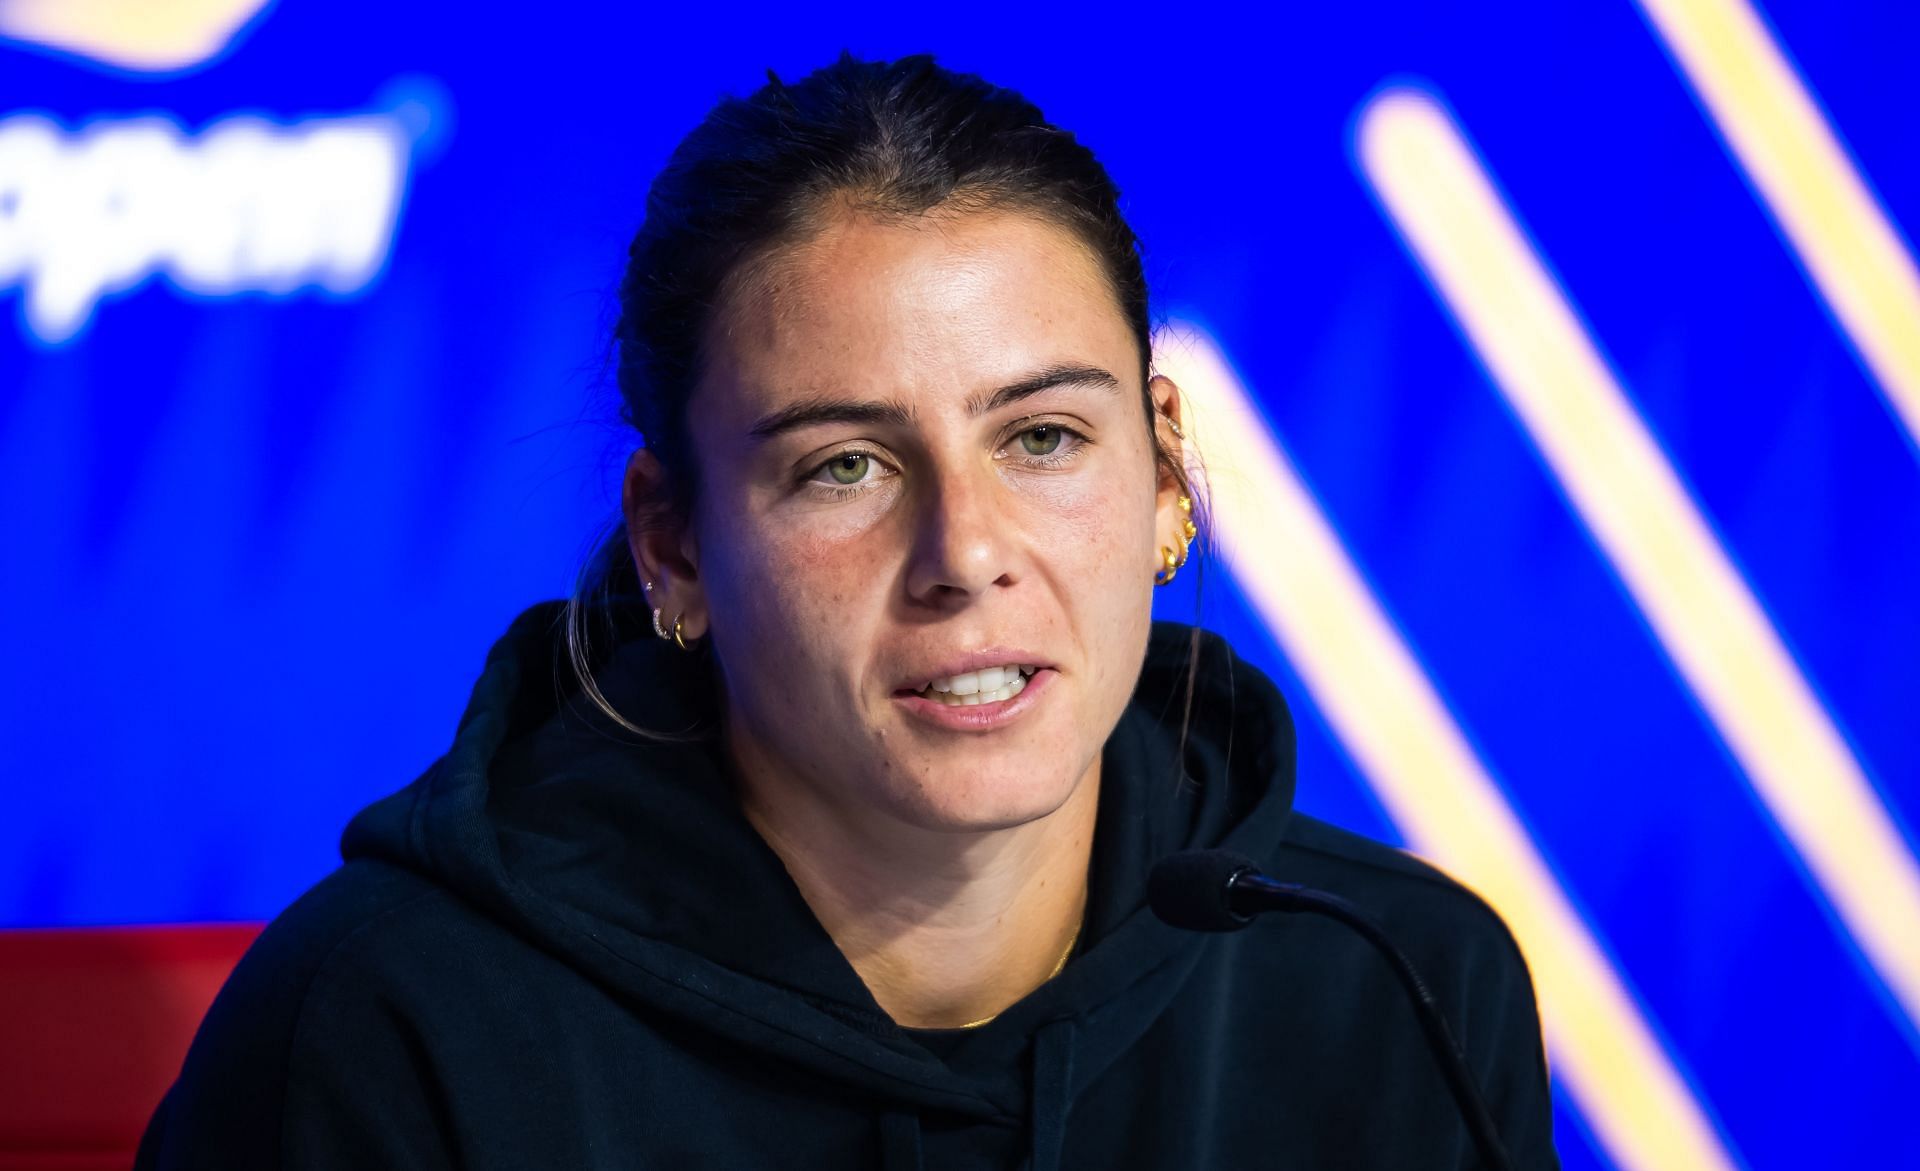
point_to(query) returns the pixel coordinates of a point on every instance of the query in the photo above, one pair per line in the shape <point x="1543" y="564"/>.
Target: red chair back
<point x="94" y="1023"/>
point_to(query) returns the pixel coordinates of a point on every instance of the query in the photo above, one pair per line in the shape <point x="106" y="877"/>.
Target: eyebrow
<point x="818" y="409"/>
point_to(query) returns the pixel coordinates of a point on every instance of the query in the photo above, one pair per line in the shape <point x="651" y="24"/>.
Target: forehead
<point x="927" y="307"/>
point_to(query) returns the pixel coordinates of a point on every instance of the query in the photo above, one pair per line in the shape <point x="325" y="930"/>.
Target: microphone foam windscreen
<point x="1189" y="889"/>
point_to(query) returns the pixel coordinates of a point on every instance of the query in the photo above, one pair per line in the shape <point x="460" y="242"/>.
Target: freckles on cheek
<point x="799" y="575"/>
<point x="1081" y="523"/>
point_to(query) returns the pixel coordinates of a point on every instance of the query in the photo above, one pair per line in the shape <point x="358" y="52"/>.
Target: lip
<point x="983" y="717"/>
<point x="993" y="656"/>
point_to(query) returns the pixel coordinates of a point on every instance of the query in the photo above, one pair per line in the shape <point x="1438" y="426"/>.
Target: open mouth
<point x="987" y="685"/>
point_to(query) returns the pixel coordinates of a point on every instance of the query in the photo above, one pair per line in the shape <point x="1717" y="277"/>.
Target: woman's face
<point x="923" y="451"/>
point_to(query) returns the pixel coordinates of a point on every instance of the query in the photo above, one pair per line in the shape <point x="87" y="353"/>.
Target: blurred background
<point x="1558" y="368"/>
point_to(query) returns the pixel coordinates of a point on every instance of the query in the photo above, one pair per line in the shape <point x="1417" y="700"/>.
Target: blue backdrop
<point x="265" y="509"/>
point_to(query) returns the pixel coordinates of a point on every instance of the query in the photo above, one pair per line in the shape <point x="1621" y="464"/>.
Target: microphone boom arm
<point x="1249" y="892"/>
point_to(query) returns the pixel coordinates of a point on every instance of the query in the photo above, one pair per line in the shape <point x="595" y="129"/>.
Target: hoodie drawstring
<point x="900" y="1146"/>
<point x="1052" y="1082"/>
<point x="900" y="1141"/>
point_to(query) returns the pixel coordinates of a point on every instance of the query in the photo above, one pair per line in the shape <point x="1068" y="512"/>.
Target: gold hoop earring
<point x="1188" y="530"/>
<point x="677" y="640"/>
<point x="1171" y="567"/>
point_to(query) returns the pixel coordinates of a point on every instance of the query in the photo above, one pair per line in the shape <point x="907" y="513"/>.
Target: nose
<point x="963" y="539"/>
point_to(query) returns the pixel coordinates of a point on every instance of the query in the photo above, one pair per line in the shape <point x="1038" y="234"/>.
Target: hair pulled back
<point x="890" y="139"/>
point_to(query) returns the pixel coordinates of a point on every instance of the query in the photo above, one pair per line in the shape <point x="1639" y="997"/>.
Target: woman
<point x="816" y="835"/>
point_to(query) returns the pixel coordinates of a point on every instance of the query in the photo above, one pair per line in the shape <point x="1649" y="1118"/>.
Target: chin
<point x="989" y="802"/>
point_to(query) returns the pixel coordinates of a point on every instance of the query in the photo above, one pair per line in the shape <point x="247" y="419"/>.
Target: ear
<point x="662" y="544"/>
<point x="1167" y="428"/>
<point x="1168" y="423"/>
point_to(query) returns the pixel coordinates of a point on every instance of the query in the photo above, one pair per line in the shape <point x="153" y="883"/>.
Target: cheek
<point x="787" y="593"/>
<point x="1100" y="558"/>
<point x="1100" y="525"/>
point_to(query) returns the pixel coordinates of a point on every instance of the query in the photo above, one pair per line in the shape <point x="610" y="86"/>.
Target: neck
<point x="944" y="927"/>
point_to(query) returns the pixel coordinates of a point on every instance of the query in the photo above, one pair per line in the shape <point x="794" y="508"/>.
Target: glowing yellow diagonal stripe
<point x="1378" y="701"/>
<point x="1806" y="180"/>
<point x="134" y="34"/>
<point x="1643" y="518"/>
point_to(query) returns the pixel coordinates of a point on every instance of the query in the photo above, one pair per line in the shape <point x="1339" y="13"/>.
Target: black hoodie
<point x="564" y="948"/>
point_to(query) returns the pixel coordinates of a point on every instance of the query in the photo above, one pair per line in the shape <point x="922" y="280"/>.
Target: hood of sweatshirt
<point x="632" y="861"/>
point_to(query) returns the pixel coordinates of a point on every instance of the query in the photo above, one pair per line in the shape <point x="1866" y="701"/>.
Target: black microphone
<point x="1218" y="890"/>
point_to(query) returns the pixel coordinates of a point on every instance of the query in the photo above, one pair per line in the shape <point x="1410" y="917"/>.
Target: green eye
<point x="1042" y="440"/>
<point x="848" y="467"/>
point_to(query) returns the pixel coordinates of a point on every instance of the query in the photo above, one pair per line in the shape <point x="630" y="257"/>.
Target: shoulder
<point x="280" y="1011"/>
<point x="1463" y="951"/>
<point x="364" y="908"/>
<point x="1458" y="943"/>
<point x="1413" y="898"/>
<point x="369" y="938"/>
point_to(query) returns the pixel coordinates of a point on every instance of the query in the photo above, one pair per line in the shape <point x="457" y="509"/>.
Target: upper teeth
<point x="985" y="679"/>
